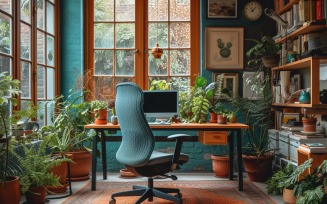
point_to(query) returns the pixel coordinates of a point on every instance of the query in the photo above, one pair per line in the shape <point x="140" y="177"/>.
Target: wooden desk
<point x="235" y="127"/>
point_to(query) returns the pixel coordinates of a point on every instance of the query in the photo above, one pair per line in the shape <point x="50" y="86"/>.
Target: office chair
<point x="137" y="147"/>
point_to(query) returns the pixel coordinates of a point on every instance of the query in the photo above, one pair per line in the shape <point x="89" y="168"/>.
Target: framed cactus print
<point x="224" y="48"/>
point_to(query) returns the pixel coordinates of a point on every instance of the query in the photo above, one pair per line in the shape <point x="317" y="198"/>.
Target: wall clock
<point x="252" y="11"/>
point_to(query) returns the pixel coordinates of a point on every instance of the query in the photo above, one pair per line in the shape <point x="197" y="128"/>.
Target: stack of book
<point x="308" y="136"/>
<point x="313" y="147"/>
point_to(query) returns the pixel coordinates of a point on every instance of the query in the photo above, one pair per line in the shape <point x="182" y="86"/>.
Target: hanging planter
<point x="157" y="51"/>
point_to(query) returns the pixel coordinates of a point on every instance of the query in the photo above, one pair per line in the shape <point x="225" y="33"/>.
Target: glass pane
<point x="5" y="34"/>
<point x="53" y="1"/>
<point x="25" y="10"/>
<point x="157" y="79"/>
<point x="125" y="10"/>
<point x="180" y="62"/>
<point x="104" y="88"/>
<point x="40" y="14"/>
<point x="40" y="82"/>
<point x="41" y="113"/>
<point x="180" y="35"/>
<point x="125" y="35"/>
<point x="50" y="83"/>
<point x="103" y="62"/>
<point x="25" y="39"/>
<point x="5" y="6"/>
<point x="5" y="64"/>
<point x="40" y="47"/>
<point x="125" y="62"/>
<point x="160" y="30"/>
<point x="156" y="66"/>
<point x="50" y="18"/>
<point x="25" y="79"/>
<point x="104" y="35"/>
<point x="160" y="12"/>
<point x="104" y="10"/>
<point x="180" y="83"/>
<point x="50" y="51"/>
<point x="180" y="10"/>
<point x="124" y="79"/>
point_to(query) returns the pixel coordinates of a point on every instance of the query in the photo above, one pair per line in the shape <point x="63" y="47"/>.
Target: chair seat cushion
<point x="160" y="157"/>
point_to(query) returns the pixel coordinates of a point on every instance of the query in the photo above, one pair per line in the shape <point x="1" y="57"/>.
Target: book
<point x="314" y="145"/>
<point x="320" y="149"/>
<point x="319" y="10"/>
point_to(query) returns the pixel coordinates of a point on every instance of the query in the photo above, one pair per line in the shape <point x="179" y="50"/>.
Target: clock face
<point x="252" y="11"/>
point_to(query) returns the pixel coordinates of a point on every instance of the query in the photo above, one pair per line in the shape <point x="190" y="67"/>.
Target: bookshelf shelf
<point x="301" y="64"/>
<point x="288" y="6"/>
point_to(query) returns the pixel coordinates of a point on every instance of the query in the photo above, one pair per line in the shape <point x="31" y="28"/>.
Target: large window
<point x="29" y="50"/>
<point x="121" y="33"/>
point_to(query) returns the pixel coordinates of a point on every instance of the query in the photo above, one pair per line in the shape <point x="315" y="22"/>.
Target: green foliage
<point x="9" y="88"/>
<point x="97" y="105"/>
<point x="35" y="165"/>
<point x="314" y="196"/>
<point x="159" y="85"/>
<point x="273" y="184"/>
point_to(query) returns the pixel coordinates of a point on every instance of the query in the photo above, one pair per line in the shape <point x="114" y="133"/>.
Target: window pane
<point x="40" y="14"/>
<point x="5" y="64"/>
<point x="156" y="66"/>
<point x="125" y="62"/>
<point x="50" y="18"/>
<point x="180" y="83"/>
<point x="158" y="13"/>
<point x="104" y="62"/>
<point x="180" y="10"/>
<point x="40" y="82"/>
<point x="158" y="32"/>
<point x="104" y="10"/>
<point x="50" y="51"/>
<point x="124" y="79"/>
<point x="157" y="79"/>
<point x="104" y="88"/>
<point x="125" y="35"/>
<point x="5" y="34"/>
<point x="25" y="10"/>
<point x="50" y="83"/>
<point x="41" y="113"/>
<point x="25" y="39"/>
<point x="53" y="1"/>
<point x="40" y="47"/>
<point x="25" y="79"/>
<point x="5" y="6"/>
<point x="180" y="35"/>
<point x="180" y="62"/>
<point x="104" y="35"/>
<point x="125" y="10"/>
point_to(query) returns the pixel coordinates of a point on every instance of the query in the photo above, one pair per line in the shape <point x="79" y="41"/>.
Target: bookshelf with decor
<point x="305" y="37"/>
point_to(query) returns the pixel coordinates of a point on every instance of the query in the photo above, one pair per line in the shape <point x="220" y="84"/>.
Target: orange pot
<point x="309" y="124"/>
<point x="35" y="195"/>
<point x="259" y="169"/>
<point x="10" y="191"/>
<point x="221" y="119"/>
<point x="213" y="117"/>
<point x="60" y="171"/>
<point x="220" y="165"/>
<point x="102" y="116"/>
<point x="81" y="164"/>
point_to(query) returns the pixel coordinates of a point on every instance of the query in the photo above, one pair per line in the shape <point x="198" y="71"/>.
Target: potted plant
<point x="309" y="122"/>
<point x="101" y="111"/>
<point x="159" y="85"/>
<point x="9" y="181"/>
<point x="265" y="50"/>
<point x="220" y="162"/>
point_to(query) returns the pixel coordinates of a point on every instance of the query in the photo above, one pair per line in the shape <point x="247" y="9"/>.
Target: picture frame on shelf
<point x="297" y="82"/>
<point x="224" y="48"/>
<point x="230" y="84"/>
<point x="248" y="93"/>
<point x="222" y="9"/>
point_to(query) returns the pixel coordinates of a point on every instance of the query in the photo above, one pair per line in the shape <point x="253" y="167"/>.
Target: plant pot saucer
<point x="52" y="190"/>
<point x="125" y="173"/>
<point x="82" y="178"/>
<point x="309" y="133"/>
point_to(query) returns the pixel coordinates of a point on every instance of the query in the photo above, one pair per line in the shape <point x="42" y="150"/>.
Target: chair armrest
<point x="178" y="147"/>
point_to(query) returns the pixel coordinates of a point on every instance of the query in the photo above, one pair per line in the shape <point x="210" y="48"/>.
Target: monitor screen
<point x="160" y="103"/>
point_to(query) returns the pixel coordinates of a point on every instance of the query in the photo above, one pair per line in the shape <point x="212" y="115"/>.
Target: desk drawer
<point x="213" y="137"/>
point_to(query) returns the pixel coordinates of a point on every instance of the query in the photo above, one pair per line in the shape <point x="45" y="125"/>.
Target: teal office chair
<point x="137" y="147"/>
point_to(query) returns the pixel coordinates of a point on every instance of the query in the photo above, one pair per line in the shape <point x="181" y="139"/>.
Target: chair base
<point x="150" y="192"/>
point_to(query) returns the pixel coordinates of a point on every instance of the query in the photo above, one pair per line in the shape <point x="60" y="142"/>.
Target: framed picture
<point x="222" y="8"/>
<point x="248" y="91"/>
<point x="230" y="84"/>
<point x="297" y="82"/>
<point x="224" y="48"/>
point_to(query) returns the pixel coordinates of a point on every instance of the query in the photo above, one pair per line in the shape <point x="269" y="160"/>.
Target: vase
<point x="304" y="97"/>
<point x="114" y="120"/>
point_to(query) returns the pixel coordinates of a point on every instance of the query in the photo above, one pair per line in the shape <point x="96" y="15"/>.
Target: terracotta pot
<point x="61" y="171"/>
<point x="213" y="117"/>
<point x="288" y="196"/>
<point x="233" y="119"/>
<point x="81" y="164"/>
<point x="35" y="195"/>
<point x="271" y="60"/>
<point x="259" y="169"/>
<point x="309" y="124"/>
<point x="10" y="191"/>
<point x="102" y="116"/>
<point x="221" y="119"/>
<point x="220" y="165"/>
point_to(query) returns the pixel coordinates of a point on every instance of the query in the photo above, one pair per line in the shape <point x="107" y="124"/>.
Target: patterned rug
<point x="194" y="192"/>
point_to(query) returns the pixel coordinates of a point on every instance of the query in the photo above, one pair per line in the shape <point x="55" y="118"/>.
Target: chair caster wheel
<point x="178" y="195"/>
<point x="113" y="201"/>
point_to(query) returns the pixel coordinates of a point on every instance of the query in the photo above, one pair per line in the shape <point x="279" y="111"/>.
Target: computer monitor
<point x="160" y="103"/>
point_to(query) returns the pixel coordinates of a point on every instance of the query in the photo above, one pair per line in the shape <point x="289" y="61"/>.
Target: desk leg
<point x="231" y="155"/>
<point x="104" y="155"/>
<point x="239" y="160"/>
<point x="94" y="162"/>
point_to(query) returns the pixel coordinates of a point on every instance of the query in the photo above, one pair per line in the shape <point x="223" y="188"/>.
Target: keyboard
<point x="159" y="123"/>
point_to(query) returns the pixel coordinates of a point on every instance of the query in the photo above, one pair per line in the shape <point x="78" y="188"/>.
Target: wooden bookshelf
<point x="288" y="6"/>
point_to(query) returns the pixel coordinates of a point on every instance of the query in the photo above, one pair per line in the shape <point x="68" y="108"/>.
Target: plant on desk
<point x="113" y="118"/>
<point x="309" y="122"/>
<point x="101" y="111"/>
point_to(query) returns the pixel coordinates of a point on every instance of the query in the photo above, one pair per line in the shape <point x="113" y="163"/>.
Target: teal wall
<point x="72" y="66"/>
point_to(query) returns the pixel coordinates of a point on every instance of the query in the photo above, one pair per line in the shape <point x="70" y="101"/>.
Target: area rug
<point x="193" y="192"/>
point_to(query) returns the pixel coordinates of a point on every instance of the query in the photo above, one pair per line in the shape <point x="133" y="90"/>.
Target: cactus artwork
<point x="225" y="50"/>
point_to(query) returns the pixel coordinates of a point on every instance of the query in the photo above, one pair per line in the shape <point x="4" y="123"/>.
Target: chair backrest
<point x="137" y="138"/>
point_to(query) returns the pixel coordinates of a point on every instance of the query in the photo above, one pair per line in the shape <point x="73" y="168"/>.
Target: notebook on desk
<point x="159" y="123"/>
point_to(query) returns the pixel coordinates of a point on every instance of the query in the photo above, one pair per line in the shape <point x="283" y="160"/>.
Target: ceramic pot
<point x="220" y="165"/>
<point x="114" y="120"/>
<point x="221" y="119"/>
<point x="10" y="191"/>
<point x="35" y="195"/>
<point x="309" y="124"/>
<point x="81" y="164"/>
<point x="233" y="119"/>
<point x="288" y="196"/>
<point x="60" y="171"/>
<point x="304" y="97"/>
<point x="102" y="116"/>
<point x="259" y="169"/>
<point x="213" y="117"/>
